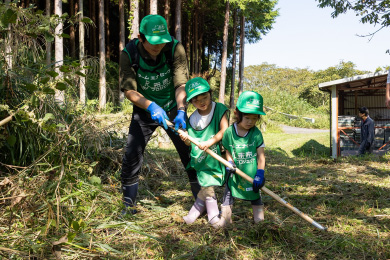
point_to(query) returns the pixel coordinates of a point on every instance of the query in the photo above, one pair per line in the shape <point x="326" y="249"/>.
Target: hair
<point x="240" y="115"/>
<point x="143" y="38"/>
<point x="363" y="110"/>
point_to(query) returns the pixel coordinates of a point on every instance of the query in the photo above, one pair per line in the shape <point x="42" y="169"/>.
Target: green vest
<point x="155" y="83"/>
<point x="210" y="171"/>
<point x="244" y="152"/>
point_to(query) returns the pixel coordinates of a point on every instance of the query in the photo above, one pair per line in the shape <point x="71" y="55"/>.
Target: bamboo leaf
<point x="61" y="86"/>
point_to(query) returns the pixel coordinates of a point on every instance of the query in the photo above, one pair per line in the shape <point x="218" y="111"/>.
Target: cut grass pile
<point x="78" y="216"/>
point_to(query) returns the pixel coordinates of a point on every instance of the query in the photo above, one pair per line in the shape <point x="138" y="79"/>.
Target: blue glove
<point x="259" y="180"/>
<point x="231" y="169"/>
<point x="180" y="120"/>
<point x="158" y="114"/>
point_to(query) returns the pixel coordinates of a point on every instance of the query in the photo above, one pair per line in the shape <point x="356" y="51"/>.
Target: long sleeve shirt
<point x="367" y="135"/>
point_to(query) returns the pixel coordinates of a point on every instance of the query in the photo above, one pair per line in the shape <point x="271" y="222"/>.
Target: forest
<point x="64" y="124"/>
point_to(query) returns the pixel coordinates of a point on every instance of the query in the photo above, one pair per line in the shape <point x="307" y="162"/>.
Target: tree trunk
<point x="167" y="10"/>
<point x="122" y="42"/>
<point x="48" y="44"/>
<point x="59" y="50"/>
<point x="195" y="40"/>
<point x="188" y="46"/>
<point x="242" y="45"/>
<point x="93" y="28"/>
<point x="153" y="6"/>
<point x="107" y="19"/>
<point x="72" y="32"/>
<point x="224" y="56"/>
<point x="135" y="23"/>
<point x="81" y="53"/>
<point x="102" y="60"/>
<point x="231" y="103"/>
<point x="178" y="20"/>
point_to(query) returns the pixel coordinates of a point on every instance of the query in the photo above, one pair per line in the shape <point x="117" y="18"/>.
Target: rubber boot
<point x="258" y="213"/>
<point x="129" y="197"/>
<point x="197" y="209"/>
<point x="226" y="216"/>
<point x="212" y="211"/>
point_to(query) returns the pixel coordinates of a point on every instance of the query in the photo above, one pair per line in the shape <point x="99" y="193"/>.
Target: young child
<point x="207" y="125"/>
<point x="244" y="146"/>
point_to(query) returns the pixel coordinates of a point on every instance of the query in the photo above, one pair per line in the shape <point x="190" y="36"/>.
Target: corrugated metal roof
<point x="371" y="80"/>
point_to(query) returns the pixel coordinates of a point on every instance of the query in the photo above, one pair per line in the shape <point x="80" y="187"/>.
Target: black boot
<point x="129" y="197"/>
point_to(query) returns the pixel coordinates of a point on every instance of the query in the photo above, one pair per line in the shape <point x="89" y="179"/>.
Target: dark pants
<point x="140" y="130"/>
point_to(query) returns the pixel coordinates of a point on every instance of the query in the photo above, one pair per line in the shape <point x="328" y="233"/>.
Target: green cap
<point x="250" y="102"/>
<point x="196" y="86"/>
<point x="155" y="29"/>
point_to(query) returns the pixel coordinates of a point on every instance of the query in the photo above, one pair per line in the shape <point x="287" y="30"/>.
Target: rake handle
<point x="246" y="177"/>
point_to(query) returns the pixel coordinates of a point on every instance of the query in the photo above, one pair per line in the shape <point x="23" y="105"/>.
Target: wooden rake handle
<point x="246" y="177"/>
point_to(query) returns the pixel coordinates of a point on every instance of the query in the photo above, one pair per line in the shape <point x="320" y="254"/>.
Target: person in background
<point x="367" y="132"/>
<point x="153" y="71"/>
<point x="387" y="102"/>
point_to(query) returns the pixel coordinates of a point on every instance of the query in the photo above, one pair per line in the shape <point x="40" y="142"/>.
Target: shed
<point x="347" y="95"/>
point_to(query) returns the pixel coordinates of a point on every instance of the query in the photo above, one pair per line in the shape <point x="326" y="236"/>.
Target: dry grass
<point x="350" y="196"/>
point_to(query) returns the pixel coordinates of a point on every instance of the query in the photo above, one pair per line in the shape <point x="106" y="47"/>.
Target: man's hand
<point x="180" y="120"/>
<point x="158" y="114"/>
<point x="259" y="180"/>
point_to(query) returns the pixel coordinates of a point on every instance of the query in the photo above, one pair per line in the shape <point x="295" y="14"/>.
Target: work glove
<point x="180" y="120"/>
<point x="232" y="169"/>
<point x="158" y="114"/>
<point x="259" y="180"/>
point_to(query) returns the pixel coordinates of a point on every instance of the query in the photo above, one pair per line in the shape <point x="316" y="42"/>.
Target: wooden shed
<point x="346" y="96"/>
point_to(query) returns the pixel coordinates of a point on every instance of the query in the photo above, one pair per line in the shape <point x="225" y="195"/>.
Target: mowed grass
<point x="350" y="196"/>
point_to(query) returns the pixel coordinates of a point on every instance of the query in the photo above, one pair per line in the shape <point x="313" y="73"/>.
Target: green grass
<point x="350" y="196"/>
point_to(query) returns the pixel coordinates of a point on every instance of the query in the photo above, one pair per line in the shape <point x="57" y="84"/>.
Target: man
<point x="153" y="71"/>
<point x="388" y="90"/>
<point x="367" y="132"/>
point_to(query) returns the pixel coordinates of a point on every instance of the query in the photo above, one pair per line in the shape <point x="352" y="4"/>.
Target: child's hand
<point x="232" y="168"/>
<point x="183" y="136"/>
<point x="205" y="145"/>
<point x="259" y="180"/>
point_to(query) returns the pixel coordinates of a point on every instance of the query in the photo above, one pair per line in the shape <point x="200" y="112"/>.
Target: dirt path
<point x="297" y="130"/>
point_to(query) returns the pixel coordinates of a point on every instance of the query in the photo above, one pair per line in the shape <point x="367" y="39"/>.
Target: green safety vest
<point x="244" y="152"/>
<point x="155" y="83"/>
<point x="210" y="172"/>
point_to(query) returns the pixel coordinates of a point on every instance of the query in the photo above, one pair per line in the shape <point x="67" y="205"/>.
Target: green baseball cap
<point x="196" y="86"/>
<point x="155" y="29"/>
<point x="250" y="102"/>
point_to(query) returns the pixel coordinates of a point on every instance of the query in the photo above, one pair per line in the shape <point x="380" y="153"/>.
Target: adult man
<point x="153" y="76"/>
<point x="367" y="132"/>
<point x="388" y="90"/>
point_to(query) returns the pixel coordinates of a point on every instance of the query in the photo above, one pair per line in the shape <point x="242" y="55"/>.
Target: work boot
<point x="258" y="213"/>
<point x="212" y="211"/>
<point x="226" y="216"/>
<point x="197" y="209"/>
<point x="129" y="196"/>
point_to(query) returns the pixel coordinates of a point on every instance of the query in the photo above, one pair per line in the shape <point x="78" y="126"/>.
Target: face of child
<point x="202" y="102"/>
<point x="248" y="121"/>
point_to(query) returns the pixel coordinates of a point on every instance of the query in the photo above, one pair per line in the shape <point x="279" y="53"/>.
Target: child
<point x="244" y="146"/>
<point x="207" y="125"/>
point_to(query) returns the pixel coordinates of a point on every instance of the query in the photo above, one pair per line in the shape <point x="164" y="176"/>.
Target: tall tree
<point x="92" y="11"/>
<point x="224" y="55"/>
<point x="107" y="29"/>
<point x="195" y="37"/>
<point x="242" y="45"/>
<point x="72" y="31"/>
<point x="153" y="6"/>
<point x="178" y="20"/>
<point x="233" y="83"/>
<point x="59" y="50"/>
<point x="48" y="43"/>
<point x="81" y="52"/>
<point x="167" y="10"/>
<point x="134" y="12"/>
<point x="102" y="58"/>
<point x="121" y="42"/>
